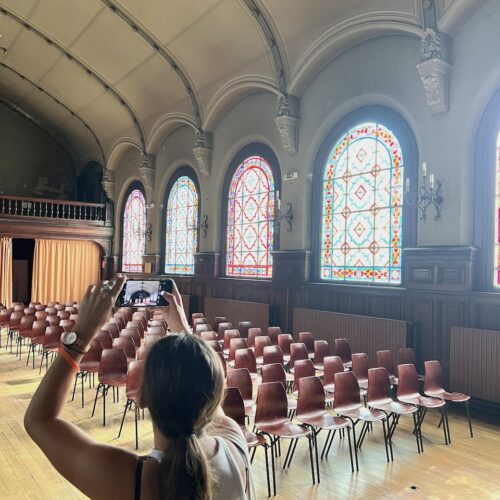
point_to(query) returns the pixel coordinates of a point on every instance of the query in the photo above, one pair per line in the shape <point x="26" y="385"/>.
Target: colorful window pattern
<point x="362" y="202"/>
<point x="497" y="215"/>
<point x="134" y="228"/>
<point x="182" y="227"/>
<point x="251" y="205"/>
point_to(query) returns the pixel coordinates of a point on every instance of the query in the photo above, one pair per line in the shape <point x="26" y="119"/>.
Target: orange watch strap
<point x="65" y="354"/>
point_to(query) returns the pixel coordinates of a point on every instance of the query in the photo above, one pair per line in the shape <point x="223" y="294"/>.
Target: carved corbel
<point x="203" y="152"/>
<point x="287" y="121"/>
<point x="434" y="71"/>
<point x="108" y="183"/>
<point x="147" y="172"/>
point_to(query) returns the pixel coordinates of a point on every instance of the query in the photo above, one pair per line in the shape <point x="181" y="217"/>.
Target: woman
<point x="199" y="453"/>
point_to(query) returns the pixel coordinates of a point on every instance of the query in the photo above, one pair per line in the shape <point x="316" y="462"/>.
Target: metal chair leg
<point x="467" y="409"/>
<point x="350" y="448"/>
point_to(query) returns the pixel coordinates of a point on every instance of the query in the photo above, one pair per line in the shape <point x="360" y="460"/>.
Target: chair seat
<point x="38" y="340"/>
<point x="426" y="402"/>
<point x="325" y="421"/>
<point x="454" y="397"/>
<point x="284" y="430"/>
<point x="89" y="366"/>
<point x="393" y="407"/>
<point x="362" y="413"/>
<point x="253" y="439"/>
<point x="116" y="379"/>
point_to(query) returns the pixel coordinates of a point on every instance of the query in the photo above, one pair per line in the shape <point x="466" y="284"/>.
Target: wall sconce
<point x="283" y="216"/>
<point x="429" y="194"/>
<point x="148" y="232"/>
<point x="204" y="226"/>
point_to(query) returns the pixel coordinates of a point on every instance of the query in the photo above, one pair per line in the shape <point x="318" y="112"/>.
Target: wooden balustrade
<point x="96" y="213"/>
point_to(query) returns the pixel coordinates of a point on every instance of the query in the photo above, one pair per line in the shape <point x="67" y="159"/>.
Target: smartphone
<point x="142" y="293"/>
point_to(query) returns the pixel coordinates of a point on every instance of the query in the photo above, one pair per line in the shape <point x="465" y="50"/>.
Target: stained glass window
<point x="362" y="202"/>
<point x="134" y="227"/>
<point x="497" y="215"/>
<point x="251" y="204"/>
<point x="182" y="227"/>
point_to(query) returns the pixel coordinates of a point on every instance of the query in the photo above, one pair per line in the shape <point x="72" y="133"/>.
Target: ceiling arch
<point x="119" y="149"/>
<point x="165" y="126"/>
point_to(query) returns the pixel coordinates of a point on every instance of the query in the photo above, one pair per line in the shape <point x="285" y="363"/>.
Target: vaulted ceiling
<point x="102" y="72"/>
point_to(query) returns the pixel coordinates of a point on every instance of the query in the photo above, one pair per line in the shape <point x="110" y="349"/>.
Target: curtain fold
<point x="62" y="269"/>
<point x="6" y="271"/>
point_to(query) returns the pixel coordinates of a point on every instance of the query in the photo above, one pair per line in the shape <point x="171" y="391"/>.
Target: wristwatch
<point x="73" y="342"/>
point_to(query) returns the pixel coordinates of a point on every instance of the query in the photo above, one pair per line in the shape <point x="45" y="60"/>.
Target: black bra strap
<point x="138" y="477"/>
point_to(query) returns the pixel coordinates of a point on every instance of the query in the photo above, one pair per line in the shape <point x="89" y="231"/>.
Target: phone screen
<point x="144" y="293"/>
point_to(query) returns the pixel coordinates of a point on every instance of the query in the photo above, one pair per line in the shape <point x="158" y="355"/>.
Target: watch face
<point x="69" y="338"/>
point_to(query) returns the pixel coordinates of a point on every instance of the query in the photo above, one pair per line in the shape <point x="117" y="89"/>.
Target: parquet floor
<point x="469" y="468"/>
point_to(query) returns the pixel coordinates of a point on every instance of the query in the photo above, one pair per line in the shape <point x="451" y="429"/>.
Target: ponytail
<point x="184" y="471"/>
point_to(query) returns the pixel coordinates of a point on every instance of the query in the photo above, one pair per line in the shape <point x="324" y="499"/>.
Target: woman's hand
<point x="174" y="313"/>
<point x="95" y="307"/>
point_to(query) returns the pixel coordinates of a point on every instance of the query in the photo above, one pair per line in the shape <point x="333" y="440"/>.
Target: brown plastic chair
<point x="104" y="336"/>
<point x="53" y="320"/>
<point x="260" y="343"/>
<point x="60" y="307"/>
<point x="273" y="332"/>
<point x="347" y="404"/>
<point x="245" y="358"/>
<point x="199" y="321"/>
<point x="18" y="307"/>
<point x="321" y="351"/>
<point x="118" y="322"/>
<point x="217" y="321"/>
<point x="297" y="351"/>
<point x="222" y="328"/>
<point x="156" y="330"/>
<point x="215" y="345"/>
<point x="234" y="345"/>
<point x="307" y="338"/>
<point x="63" y="314"/>
<point x="51" y="311"/>
<point x="196" y="315"/>
<point x="243" y="327"/>
<point x="24" y="332"/>
<point x="51" y="344"/>
<point x="41" y="315"/>
<point x="275" y="372"/>
<point x="113" y="329"/>
<point x="434" y="387"/>
<point x="302" y="368"/>
<point x="211" y="335"/>
<point x="135" y="377"/>
<point x="67" y="324"/>
<point x="379" y="398"/>
<point x="128" y="346"/>
<point x="285" y="340"/>
<point x="223" y="361"/>
<point x="272" y="354"/>
<point x="137" y="324"/>
<point x="5" y="315"/>
<point x="343" y="350"/>
<point x="331" y="365"/>
<point x="88" y="366"/>
<point x="151" y="339"/>
<point x="134" y="334"/>
<point x="40" y="307"/>
<point x="407" y="356"/>
<point x="234" y="407"/>
<point x="37" y="334"/>
<point x="385" y="359"/>
<point x="14" y="323"/>
<point x="155" y="323"/>
<point x="228" y="336"/>
<point x="271" y="420"/>
<point x="203" y="327"/>
<point x="241" y="378"/>
<point x="311" y="412"/>
<point x="360" y="366"/>
<point x="29" y="311"/>
<point x="408" y="393"/>
<point x="112" y="373"/>
<point x="253" y="333"/>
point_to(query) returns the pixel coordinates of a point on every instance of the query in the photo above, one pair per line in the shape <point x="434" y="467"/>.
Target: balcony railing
<point x="56" y="209"/>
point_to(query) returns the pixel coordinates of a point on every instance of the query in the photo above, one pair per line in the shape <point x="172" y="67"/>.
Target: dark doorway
<point x="22" y="269"/>
<point x="90" y="184"/>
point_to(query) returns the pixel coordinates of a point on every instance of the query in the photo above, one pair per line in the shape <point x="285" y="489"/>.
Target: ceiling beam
<point x="158" y="47"/>
<point x="57" y="101"/>
<point x="25" y="24"/>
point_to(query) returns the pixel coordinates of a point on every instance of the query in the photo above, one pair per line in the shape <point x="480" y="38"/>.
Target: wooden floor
<point x="465" y="469"/>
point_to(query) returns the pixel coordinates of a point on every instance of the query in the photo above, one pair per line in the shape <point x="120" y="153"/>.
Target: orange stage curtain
<point x="62" y="270"/>
<point x="6" y="271"/>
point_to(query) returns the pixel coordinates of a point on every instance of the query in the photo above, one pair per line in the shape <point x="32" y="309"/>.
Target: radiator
<point x="474" y="368"/>
<point x="237" y="310"/>
<point x="365" y="333"/>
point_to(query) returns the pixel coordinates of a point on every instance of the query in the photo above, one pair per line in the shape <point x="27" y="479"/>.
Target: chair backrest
<point x="217" y="321"/>
<point x="260" y="343"/>
<point x="272" y="404"/>
<point x="26" y="323"/>
<point x="142" y="353"/>
<point x="234" y="406"/>
<point x="125" y="343"/>
<point x="51" y="311"/>
<point x="67" y="324"/>
<point x="113" y="361"/>
<point x="331" y="366"/>
<point x="272" y="354"/>
<point x="112" y="328"/>
<point x="407" y="356"/>
<point x="63" y="314"/>
<point x="40" y="307"/>
<point x="243" y="327"/>
<point x="245" y="358"/>
<point x="134" y="334"/>
<point x="241" y="379"/>
<point x="39" y="327"/>
<point x="434" y="379"/>
<point x="360" y="365"/>
<point x="53" y="320"/>
<point x="285" y="340"/>
<point x="223" y="361"/>
<point x="302" y="368"/>
<point x="52" y="337"/>
<point x="228" y="335"/>
<point x="41" y="314"/>
<point x="158" y="323"/>
<point x="135" y="378"/>
<point x="222" y="328"/>
<point x="253" y="333"/>
<point x="200" y="321"/>
<point x="346" y="391"/>
<point x="385" y="359"/>
<point x="196" y="315"/>
<point x="5" y="315"/>
<point x="407" y="381"/>
<point x="273" y="332"/>
<point x="151" y="339"/>
<point x="118" y="321"/>
<point x="19" y="308"/>
<point x="234" y="345"/>
<point x="15" y="318"/>
<point x="156" y="330"/>
<point x="203" y="327"/>
<point x="94" y="353"/>
<point x="73" y="317"/>
<point x="297" y="351"/>
<point x="214" y="344"/>
<point x="211" y="335"/>
<point x="137" y="324"/>
<point x="60" y="307"/>
<point x="105" y="338"/>
<point x="379" y="384"/>
<point x="343" y="350"/>
<point x="273" y="373"/>
<point x="307" y="338"/>
<point x="311" y="396"/>
<point x="29" y="311"/>
<point x="321" y="351"/>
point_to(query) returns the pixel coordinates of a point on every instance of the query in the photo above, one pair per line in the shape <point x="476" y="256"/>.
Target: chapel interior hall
<point x="282" y="217"/>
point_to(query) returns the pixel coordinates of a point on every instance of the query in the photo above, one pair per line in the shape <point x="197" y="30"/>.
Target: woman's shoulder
<point x="227" y="429"/>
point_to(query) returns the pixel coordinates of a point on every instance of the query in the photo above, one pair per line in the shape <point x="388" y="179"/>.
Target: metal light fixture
<point x="429" y="194"/>
<point x="283" y="216"/>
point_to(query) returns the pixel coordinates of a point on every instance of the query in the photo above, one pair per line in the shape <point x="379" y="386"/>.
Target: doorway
<point x="23" y="251"/>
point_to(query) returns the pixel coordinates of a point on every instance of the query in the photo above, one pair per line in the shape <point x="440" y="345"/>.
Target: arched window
<point x="134" y="229"/>
<point x="251" y="200"/>
<point x="362" y="200"/>
<point x="182" y="214"/>
<point x="497" y="215"/>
